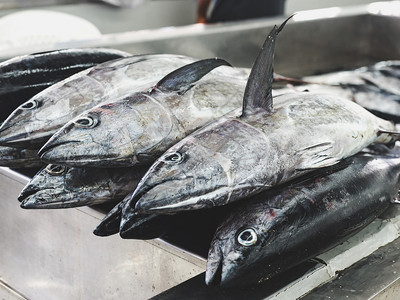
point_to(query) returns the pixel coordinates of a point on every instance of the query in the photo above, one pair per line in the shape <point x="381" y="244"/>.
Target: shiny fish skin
<point x="19" y="158"/>
<point x="281" y="228"/>
<point x="138" y="128"/>
<point x="33" y="123"/>
<point x="379" y="102"/>
<point x="255" y="148"/>
<point x="233" y="158"/>
<point x="110" y="223"/>
<point x="384" y="74"/>
<point x="62" y="187"/>
<point x="24" y="76"/>
<point x="374" y="87"/>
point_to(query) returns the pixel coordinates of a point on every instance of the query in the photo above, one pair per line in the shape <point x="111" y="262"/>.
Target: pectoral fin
<point x="317" y="156"/>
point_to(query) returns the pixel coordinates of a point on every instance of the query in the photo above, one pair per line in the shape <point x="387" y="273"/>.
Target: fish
<point x="367" y="86"/>
<point x="384" y="74"/>
<point x="56" y="186"/>
<point x="258" y="146"/>
<point x="24" y="76"/>
<point x="19" y="158"/>
<point x="283" y="227"/>
<point x="36" y="120"/>
<point x="136" y="129"/>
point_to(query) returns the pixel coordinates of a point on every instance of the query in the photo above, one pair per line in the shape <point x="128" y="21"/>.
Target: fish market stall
<point x="49" y="254"/>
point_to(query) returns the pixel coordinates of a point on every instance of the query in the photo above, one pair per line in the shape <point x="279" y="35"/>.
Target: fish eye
<point x="31" y="104"/>
<point x="55" y="169"/>
<point x="176" y="157"/>
<point x="86" y="122"/>
<point x="247" y="237"/>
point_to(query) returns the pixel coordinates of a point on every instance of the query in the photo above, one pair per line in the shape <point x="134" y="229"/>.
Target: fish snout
<point x="214" y="264"/>
<point x="29" y="190"/>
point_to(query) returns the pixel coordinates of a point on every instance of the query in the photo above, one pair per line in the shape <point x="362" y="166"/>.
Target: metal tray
<point x="52" y="254"/>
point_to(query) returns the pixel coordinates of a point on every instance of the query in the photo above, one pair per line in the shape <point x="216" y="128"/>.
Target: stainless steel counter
<point x="53" y="254"/>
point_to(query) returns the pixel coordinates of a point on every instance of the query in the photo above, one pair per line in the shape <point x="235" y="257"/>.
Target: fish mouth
<point x="27" y="192"/>
<point x="23" y="140"/>
<point x="144" y="227"/>
<point x="146" y="203"/>
<point x="40" y="203"/>
<point x="14" y="140"/>
<point x="45" y="152"/>
<point x="110" y="224"/>
<point x="214" y="266"/>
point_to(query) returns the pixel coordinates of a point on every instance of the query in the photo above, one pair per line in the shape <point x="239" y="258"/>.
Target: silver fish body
<point x="61" y="187"/>
<point x="281" y="228"/>
<point x="384" y="74"/>
<point x="373" y="87"/>
<point x="137" y="129"/>
<point x="236" y="157"/>
<point x="33" y="123"/>
<point x="24" y="76"/>
<point x="259" y="146"/>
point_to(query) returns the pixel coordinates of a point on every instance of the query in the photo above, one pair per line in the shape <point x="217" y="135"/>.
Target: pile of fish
<point x="281" y="174"/>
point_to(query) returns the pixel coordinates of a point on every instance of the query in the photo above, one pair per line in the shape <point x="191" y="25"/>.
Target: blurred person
<point x="211" y="11"/>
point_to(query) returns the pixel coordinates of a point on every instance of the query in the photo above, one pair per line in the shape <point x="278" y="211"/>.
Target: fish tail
<point x="388" y="137"/>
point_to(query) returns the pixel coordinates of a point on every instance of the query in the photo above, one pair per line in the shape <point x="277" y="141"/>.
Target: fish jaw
<point x="46" y="198"/>
<point x="110" y="223"/>
<point x="222" y="266"/>
<point x="75" y="146"/>
<point x="16" y="131"/>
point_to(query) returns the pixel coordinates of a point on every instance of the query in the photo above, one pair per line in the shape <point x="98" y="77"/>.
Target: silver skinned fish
<point x="280" y="228"/>
<point x="33" y="122"/>
<point x="136" y="129"/>
<point x="367" y="86"/>
<point x="61" y="187"/>
<point x="258" y="146"/>
<point x="24" y="76"/>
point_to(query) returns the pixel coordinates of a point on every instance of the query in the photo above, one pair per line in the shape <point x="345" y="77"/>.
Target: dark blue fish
<point x="281" y="228"/>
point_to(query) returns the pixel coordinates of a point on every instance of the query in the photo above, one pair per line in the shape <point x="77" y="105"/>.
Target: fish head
<point x="126" y="132"/>
<point x="243" y="250"/>
<point x="173" y="182"/>
<point x="33" y="122"/>
<point x="57" y="186"/>
<point x="211" y="167"/>
<point x="47" y="186"/>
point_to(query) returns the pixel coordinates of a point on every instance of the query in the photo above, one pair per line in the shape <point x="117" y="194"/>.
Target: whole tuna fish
<point x="136" y="129"/>
<point x="260" y="146"/>
<point x="62" y="187"/>
<point x="33" y="123"/>
<point x="24" y="76"/>
<point x="282" y="227"/>
<point x="19" y="158"/>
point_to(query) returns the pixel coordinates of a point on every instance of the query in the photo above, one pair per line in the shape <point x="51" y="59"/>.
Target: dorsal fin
<point x="258" y="92"/>
<point x="182" y="79"/>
